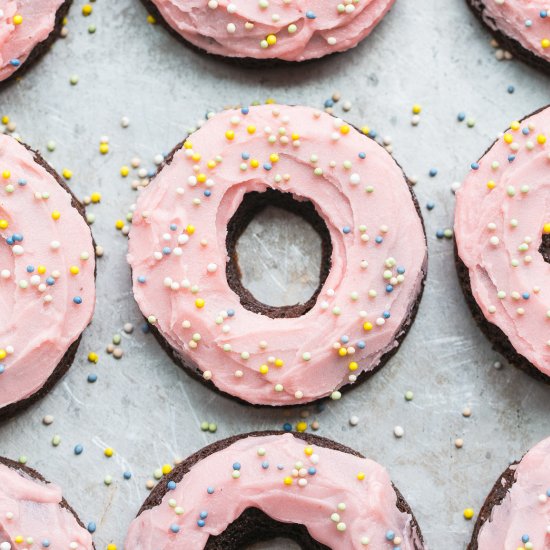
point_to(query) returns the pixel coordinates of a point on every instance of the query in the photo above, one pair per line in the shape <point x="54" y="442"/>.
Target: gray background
<point x="426" y="51"/>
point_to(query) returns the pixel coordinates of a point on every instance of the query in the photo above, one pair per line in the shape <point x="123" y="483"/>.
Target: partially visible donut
<point x="520" y="26"/>
<point x="502" y="230"/>
<point x="186" y="284"/>
<point x="516" y="513"/>
<point x="258" y="486"/>
<point x="27" y="28"/>
<point x="288" y="30"/>
<point x="47" y="276"/>
<point x="33" y="513"/>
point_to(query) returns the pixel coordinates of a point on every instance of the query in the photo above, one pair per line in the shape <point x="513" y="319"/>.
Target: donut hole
<point x="279" y="251"/>
<point x="544" y="248"/>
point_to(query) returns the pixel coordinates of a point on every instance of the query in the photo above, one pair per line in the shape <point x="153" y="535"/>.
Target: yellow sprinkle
<point x="6" y="174"/>
<point x="211" y="164"/>
<point x="124" y="171"/>
<point x="308" y="451"/>
<point x="269" y="101"/>
<point x="491" y="184"/>
<point x="367" y="325"/>
<point x="545" y="43"/>
<point x="365" y="130"/>
<point x="230" y="134"/>
<point x="271" y="39"/>
<point x="515" y="126"/>
<point x="108" y="452"/>
<point x="508" y="138"/>
<point x="56" y="214"/>
<point x="360" y="476"/>
<point x="287" y="480"/>
<point x="103" y="148"/>
<point x="74" y="270"/>
<point x="166" y="469"/>
<point x="301" y="427"/>
<point x="344" y="129"/>
<point x="86" y="10"/>
<point x="3" y="353"/>
<point x="151" y="20"/>
<point x="416" y="109"/>
<point x="196" y="157"/>
<point x="95" y="197"/>
<point x="18" y="539"/>
<point x="199" y="303"/>
<point x="264" y="369"/>
<point x="254" y="163"/>
<point x="5" y="119"/>
<point x="119" y="224"/>
<point x="41" y="269"/>
<point x="17" y="19"/>
<point x="4" y="224"/>
<point x="187" y="144"/>
<point x="342" y="352"/>
<point x="201" y="178"/>
<point x="67" y="174"/>
<point x="251" y="129"/>
<point x="546" y="228"/>
<point x="274" y="157"/>
<point x="111" y="546"/>
<point x="280" y="362"/>
<point x="190" y="229"/>
<point x="541" y="138"/>
<point x="93" y="357"/>
<point x="295" y="136"/>
<point x="468" y="513"/>
<point x="353" y="366"/>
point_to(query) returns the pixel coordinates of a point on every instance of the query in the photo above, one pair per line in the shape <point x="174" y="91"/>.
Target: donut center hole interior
<point x="275" y="544"/>
<point x="545" y="247"/>
<point x="279" y="252"/>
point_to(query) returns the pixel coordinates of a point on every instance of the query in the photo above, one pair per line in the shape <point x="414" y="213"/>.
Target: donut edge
<point x="41" y="48"/>
<point x="495" y="497"/>
<point x="195" y="372"/>
<point x="63" y="366"/>
<point x="37" y="476"/>
<point x="249" y="63"/>
<point x="477" y="7"/>
<point x="492" y="332"/>
<point x="157" y="494"/>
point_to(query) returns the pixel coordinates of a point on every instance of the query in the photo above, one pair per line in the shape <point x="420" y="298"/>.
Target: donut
<point x="27" y="29"/>
<point x="185" y="225"/>
<point x="520" y="26"/>
<point x="258" y="486"/>
<point x="502" y="230"/>
<point x="516" y="513"/>
<point x="47" y="276"/>
<point x="285" y="30"/>
<point x="33" y="512"/>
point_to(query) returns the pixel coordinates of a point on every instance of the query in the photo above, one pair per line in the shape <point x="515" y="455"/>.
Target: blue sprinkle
<point x="311" y="471"/>
<point x="175" y="528"/>
<point x="543" y="14"/>
<point x="45" y="543"/>
<point x="400" y="269"/>
<point x="78" y="449"/>
<point x="230" y="312"/>
<point x="15" y="62"/>
<point x="207" y="192"/>
<point x="267" y="166"/>
<point x="210" y="490"/>
<point x="280" y="467"/>
<point x="265" y="465"/>
<point x="92" y="378"/>
<point x="525" y="295"/>
<point x="390" y="535"/>
<point x="9" y="240"/>
<point x="310" y="14"/>
<point x="344" y="339"/>
<point x="474" y="166"/>
<point x="22" y="182"/>
<point x="17" y="237"/>
<point x="245" y="155"/>
<point x="142" y="279"/>
<point x="237" y="466"/>
<point x="525" y="131"/>
<point x="389" y="288"/>
<point x="386" y="314"/>
<point x="30" y="268"/>
<point x="127" y="475"/>
<point x="361" y="344"/>
<point x="461" y="116"/>
<point x="378" y="239"/>
<point x="91" y="527"/>
<point x="511" y="158"/>
<point x="372" y="134"/>
<point x="145" y="328"/>
<point x="346" y="230"/>
<point x="362" y="155"/>
<point x="166" y="250"/>
<point x="433" y="172"/>
<point x="510" y="89"/>
<point x="430" y="205"/>
<point x="440" y="233"/>
<point x="201" y="523"/>
<point x="287" y="427"/>
<point x="245" y="110"/>
<point x="548" y="493"/>
<point x="171" y="485"/>
<point x="2" y="369"/>
<point x="528" y="23"/>
<point x="525" y="538"/>
<point x="203" y="514"/>
<point x="329" y="103"/>
<point x="173" y="226"/>
<point x="77" y="300"/>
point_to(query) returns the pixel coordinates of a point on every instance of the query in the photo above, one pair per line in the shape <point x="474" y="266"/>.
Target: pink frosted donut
<point x="31" y="509"/>
<point x="47" y="286"/>
<point x="502" y="227"/>
<point x="521" y="26"/>
<point x="179" y="254"/>
<point x="290" y="30"/>
<point x="27" y="27"/>
<point x="261" y="485"/>
<point x="517" y="511"/>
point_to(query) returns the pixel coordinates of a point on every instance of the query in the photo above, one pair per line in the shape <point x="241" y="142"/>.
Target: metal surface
<point x="148" y="410"/>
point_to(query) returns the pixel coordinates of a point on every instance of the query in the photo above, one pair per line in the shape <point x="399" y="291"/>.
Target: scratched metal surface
<point x="149" y="410"/>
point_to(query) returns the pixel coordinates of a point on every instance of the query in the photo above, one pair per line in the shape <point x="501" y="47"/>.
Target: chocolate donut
<point x="284" y="30"/>
<point x="502" y="230"/>
<point x="262" y="485"/>
<point x="47" y="276"/>
<point x="184" y="276"/>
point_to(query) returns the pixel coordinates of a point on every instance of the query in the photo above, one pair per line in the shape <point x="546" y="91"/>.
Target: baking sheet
<point x="148" y="410"/>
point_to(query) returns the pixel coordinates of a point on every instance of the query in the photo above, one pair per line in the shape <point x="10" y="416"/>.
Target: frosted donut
<point x="293" y="30"/>
<point x="262" y="485"/>
<point x="517" y="510"/>
<point x="47" y="276"/>
<point x="179" y="256"/>
<point x="520" y="26"/>
<point x="502" y="229"/>
<point x="27" y="28"/>
<point x="31" y="509"/>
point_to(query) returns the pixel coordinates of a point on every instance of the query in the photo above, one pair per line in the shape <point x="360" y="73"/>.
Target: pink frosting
<point x="238" y="29"/>
<point x="39" y="320"/>
<point x="501" y="213"/>
<point x="369" y="196"/>
<point x="522" y="21"/>
<point x="18" y="41"/>
<point x="525" y="509"/>
<point x="323" y="482"/>
<point x="30" y="508"/>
